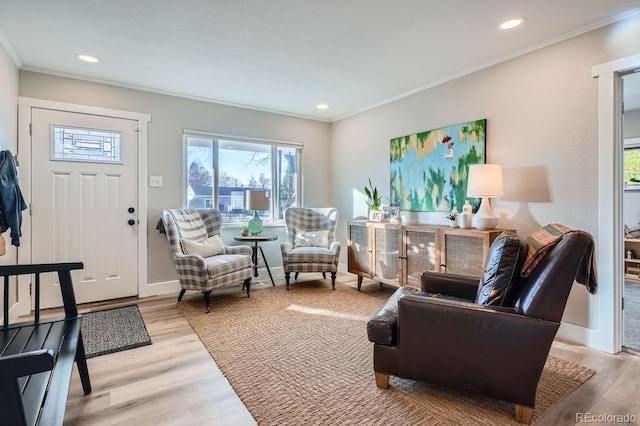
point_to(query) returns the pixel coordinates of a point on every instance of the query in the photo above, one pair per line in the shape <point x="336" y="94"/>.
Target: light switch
<point x="155" y="181"/>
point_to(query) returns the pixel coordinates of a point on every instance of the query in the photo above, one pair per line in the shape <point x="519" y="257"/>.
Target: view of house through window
<point x="219" y="172"/>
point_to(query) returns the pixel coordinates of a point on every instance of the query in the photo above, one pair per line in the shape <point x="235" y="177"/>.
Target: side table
<point x="255" y="239"/>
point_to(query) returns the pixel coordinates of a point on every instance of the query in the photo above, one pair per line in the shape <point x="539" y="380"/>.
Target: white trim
<point x="7" y="47"/>
<point x="607" y="311"/>
<point x="25" y="106"/>
<point x="575" y="333"/>
<point x="239" y="138"/>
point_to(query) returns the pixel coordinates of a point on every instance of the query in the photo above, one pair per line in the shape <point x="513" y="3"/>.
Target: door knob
<point x="131" y="210"/>
<point x="131" y="222"/>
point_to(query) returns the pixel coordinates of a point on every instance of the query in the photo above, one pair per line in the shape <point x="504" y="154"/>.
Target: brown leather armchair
<point x="491" y="337"/>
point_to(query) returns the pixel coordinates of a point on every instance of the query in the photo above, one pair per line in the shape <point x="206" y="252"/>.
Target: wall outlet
<point x="155" y="181"/>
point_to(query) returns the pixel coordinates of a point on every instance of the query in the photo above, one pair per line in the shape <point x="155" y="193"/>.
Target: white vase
<point x="453" y="223"/>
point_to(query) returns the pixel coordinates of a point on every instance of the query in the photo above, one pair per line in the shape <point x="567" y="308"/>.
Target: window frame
<point x="630" y="144"/>
<point x="275" y="179"/>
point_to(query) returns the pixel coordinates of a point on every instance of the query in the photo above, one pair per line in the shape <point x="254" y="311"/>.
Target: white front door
<point x="84" y="202"/>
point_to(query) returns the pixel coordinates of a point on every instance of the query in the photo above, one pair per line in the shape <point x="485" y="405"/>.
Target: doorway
<point x="631" y="211"/>
<point x="86" y="202"/>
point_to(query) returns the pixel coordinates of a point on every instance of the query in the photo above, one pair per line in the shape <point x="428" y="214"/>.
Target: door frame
<point x="25" y="106"/>
<point x="606" y="334"/>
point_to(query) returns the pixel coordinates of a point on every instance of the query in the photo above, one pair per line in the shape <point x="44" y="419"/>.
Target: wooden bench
<point x="36" y="357"/>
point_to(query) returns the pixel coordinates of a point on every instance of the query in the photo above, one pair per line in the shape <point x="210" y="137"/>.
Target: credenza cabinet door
<point x="420" y="253"/>
<point x="359" y="249"/>
<point x="386" y="253"/>
<point x="463" y="251"/>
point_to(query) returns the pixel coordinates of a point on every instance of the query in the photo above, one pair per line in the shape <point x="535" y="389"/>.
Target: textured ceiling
<point x="287" y="55"/>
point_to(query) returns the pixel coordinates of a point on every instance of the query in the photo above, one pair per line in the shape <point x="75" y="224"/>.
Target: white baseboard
<point x="156" y="289"/>
<point x="576" y="334"/>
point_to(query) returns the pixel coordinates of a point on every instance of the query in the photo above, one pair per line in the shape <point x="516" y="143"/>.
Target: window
<point x="632" y="164"/>
<point x="219" y="170"/>
<point x="89" y="145"/>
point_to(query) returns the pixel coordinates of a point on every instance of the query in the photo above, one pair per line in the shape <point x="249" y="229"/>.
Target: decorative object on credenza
<point x="373" y="197"/>
<point x="466" y="217"/>
<point x="429" y="169"/>
<point x="453" y="217"/>
<point x="375" y="215"/>
<point x="485" y="180"/>
<point x="256" y="200"/>
<point x="390" y="213"/>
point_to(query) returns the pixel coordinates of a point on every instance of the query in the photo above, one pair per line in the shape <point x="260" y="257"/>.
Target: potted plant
<point x="453" y="219"/>
<point x="373" y="198"/>
<point x="244" y="231"/>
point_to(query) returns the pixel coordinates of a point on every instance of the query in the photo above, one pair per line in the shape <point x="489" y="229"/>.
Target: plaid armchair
<point x="190" y="231"/>
<point x="311" y="244"/>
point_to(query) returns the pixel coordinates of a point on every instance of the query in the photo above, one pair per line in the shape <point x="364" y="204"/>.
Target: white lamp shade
<point x="485" y="180"/>
<point x="256" y="200"/>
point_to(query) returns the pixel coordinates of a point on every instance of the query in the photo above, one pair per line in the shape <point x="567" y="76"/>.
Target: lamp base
<point x="485" y="219"/>
<point x="255" y="224"/>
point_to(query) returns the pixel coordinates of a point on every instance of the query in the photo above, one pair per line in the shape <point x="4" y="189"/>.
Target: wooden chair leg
<point x="324" y="275"/>
<point x="296" y="276"/>
<point x="181" y="294"/>
<point x="247" y="284"/>
<point x="81" y="363"/>
<point x="524" y="414"/>
<point x="333" y="280"/>
<point x="359" y="282"/>
<point x="287" y="275"/>
<point x="382" y="380"/>
<point x="207" y="300"/>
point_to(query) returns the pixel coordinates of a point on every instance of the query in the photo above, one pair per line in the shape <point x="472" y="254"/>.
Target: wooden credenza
<point x="397" y="254"/>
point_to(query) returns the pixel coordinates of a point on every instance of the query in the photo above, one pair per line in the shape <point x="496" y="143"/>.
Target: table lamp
<point x="256" y="200"/>
<point x="485" y="180"/>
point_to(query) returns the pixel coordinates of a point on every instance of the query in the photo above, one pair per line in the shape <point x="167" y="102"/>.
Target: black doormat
<point x="113" y="330"/>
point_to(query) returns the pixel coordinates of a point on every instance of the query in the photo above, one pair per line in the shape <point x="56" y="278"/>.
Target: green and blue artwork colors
<point x="429" y="170"/>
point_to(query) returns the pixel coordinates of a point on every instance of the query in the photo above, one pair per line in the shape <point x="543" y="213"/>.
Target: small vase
<point x="255" y="224"/>
<point x="453" y="223"/>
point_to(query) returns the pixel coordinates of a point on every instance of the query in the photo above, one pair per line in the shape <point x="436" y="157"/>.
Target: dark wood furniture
<point x="398" y="254"/>
<point x="36" y="357"/>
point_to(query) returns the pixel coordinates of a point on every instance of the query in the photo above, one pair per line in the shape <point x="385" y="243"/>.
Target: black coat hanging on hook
<point x="11" y="200"/>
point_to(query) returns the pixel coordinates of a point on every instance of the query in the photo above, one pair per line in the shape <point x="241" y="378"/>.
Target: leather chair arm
<point x="449" y="284"/>
<point x="382" y="326"/>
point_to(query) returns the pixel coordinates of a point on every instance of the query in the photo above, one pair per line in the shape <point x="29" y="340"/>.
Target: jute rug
<point x="113" y="330"/>
<point x="302" y="357"/>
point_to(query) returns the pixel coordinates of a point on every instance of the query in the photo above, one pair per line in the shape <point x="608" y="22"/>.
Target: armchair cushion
<point x="311" y="255"/>
<point x="224" y="264"/>
<point x="319" y="238"/>
<point x="501" y="270"/>
<point x="211" y="246"/>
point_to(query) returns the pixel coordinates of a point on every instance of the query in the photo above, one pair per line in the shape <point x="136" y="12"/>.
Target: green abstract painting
<point x="429" y="170"/>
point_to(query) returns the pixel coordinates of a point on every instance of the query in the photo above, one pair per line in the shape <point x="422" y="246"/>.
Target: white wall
<point x="8" y="137"/>
<point x="542" y="126"/>
<point x="169" y="116"/>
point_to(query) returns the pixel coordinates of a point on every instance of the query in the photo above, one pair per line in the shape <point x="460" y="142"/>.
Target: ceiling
<point x="287" y="56"/>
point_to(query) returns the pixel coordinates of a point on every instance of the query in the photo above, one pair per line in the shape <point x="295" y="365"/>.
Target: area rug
<point x="302" y="357"/>
<point x="632" y="316"/>
<point x="113" y="330"/>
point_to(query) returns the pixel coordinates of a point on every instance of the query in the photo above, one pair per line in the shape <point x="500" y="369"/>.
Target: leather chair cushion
<point x="501" y="270"/>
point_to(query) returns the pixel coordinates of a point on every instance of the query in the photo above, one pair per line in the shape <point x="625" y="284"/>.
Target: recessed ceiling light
<point x="511" y="23"/>
<point x="87" y="58"/>
<point x="322" y="106"/>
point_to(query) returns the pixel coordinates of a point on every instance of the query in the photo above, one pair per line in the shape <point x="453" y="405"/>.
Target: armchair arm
<point x="240" y="249"/>
<point x="190" y="267"/>
<point x="335" y="248"/>
<point x="285" y="248"/>
<point x="25" y="364"/>
<point x="449" y="284"/>
<point x="382" y="326"/>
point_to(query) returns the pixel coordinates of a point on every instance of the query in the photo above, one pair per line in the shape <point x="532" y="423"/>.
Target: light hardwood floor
<point x="174" y="381"/>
